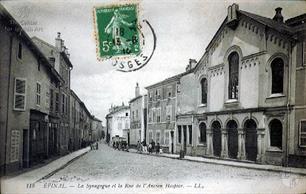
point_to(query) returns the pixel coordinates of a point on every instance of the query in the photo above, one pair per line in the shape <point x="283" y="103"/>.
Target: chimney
<point x="137" y="91"/>
<point x="278" y="15"/>
<point x="58" y="42"/>
<point x="191" y="65"/>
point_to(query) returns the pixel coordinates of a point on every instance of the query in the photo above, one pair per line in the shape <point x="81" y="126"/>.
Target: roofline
<point x="170" y="79"/>
<point x="74" y="94"/>
<point x="66" y="58"/>
<point x="32" y="46"/>
<point x="133" y="99"/>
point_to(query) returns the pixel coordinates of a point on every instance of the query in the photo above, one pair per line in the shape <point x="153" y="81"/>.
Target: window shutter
<point x="20" y="94"/>
<point x="302" y="134"/>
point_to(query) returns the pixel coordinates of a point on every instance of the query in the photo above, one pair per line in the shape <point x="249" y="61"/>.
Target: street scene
<point x="153" y="97"/>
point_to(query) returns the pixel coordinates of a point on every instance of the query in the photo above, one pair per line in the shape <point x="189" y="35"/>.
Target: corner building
<point x="249" y="89"/>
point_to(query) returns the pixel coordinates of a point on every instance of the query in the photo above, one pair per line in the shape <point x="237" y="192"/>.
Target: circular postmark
<point x="121" y="38"/>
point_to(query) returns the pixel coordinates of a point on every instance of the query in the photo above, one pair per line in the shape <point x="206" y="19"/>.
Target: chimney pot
<point x="278" y="15"/>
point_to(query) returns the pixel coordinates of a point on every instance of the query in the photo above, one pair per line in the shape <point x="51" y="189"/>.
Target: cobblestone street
<point x="107" y="165"/>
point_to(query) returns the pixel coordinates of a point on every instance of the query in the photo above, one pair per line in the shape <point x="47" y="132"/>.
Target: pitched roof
<point x="63" y="54"/>
<point x="10" y="21"/>
<point x="280" y="27"/>
<point x="170" y="79"/>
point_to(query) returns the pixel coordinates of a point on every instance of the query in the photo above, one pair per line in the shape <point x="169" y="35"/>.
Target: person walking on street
<point x="138" y="147"/>
<point x="153" y="145"/>
<point x="144" y="144"/>
<point x="157" y="148"/>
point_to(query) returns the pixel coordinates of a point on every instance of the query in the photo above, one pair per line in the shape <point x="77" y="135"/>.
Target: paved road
<point x="112" y="166"/>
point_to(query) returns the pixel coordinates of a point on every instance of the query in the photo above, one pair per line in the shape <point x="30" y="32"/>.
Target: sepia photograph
<point x="144" y="96"/>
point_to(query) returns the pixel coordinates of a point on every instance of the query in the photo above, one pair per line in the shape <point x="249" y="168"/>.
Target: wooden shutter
<point x="20" y="94"/>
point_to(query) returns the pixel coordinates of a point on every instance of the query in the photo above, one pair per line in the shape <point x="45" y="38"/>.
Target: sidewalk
<point x="238" y="164"/>
<point x="45" y="171"/>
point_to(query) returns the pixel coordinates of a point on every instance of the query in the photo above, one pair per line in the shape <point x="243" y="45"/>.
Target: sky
<point x="183" y="30"/>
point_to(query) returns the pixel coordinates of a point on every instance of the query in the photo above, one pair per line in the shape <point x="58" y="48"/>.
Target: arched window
<point x="204" y="90"/>
<point x="233" y="61"/>
<point x="202" y="138"/>
<point x="276" y="133"/>
<point x="277" y="69"/>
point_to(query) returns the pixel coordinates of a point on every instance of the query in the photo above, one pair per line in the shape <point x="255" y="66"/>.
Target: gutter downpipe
<point x="7" y="102"/>
<point x="288" y="104"/>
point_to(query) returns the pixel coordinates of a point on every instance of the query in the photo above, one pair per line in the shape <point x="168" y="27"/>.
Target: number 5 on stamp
<point x="117" y="30"/>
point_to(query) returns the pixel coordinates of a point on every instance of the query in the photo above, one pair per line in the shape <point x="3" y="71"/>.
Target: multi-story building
<point x="162" y="107"/>
<point x="75" y="121"/>
<point x="249" y="91"/>
<point x="60" y="95"/>
<point x="96" y="129"/>
<point x="118" y="122"/>
<point x="85" y="124"/>
<point x="26" y="76"/>
<point x="138" y="113"/>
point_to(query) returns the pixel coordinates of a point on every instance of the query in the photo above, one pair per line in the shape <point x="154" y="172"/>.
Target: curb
<point x="259" y="167"/>
<point x="63" y="166"/>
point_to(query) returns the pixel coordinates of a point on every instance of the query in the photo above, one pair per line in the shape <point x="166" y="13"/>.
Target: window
<point x="202" y="138"/>
<point x="136" y="114"/>
<point x="169" y="91"/>
<point x="277" y="69"/>
<point x="56" y="102"/>
<point x="66" y="105"/>
<point x="38" y="93"/>
<point x="51" y="100"/>
<point x="157" y="137"/>
<point x="119" y="125"/>
<point x="133" y="115"/>
<point x="168" y="112"/>
<point x="150" y="95"/>
<point x="158" y="94"/>
<point x="19" y="53"/>
<point x="302" y="135"/>
<point x="126" y="114"/>
<point x="179" y="131"/>
<point x="154" y="115"/>
<point x="150" y="115"/>
<point x="190" y="133"/>
<point x="304" y="53"/>
<point x="158" y="114"/>
<point x="126" y="124"/>
<point x="150" y="135"/>
<point x="20" y="94"/>
<point x="166" y="137"/>
<point x="63" y="103"/>
<point x="204" y="90"/>
<point x="233" y="61"/>
<point x="276" y="133"/>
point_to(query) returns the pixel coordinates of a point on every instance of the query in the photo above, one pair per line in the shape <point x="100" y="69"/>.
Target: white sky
<point x="183" y="30"/>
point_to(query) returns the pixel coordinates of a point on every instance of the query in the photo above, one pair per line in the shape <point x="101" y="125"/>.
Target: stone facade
<point x="248" y="92"/>
<point x="118" y="123"/>
<point x="35" y="99"/>
<point x="138" y="106"/>
<point x="25" y="99"/>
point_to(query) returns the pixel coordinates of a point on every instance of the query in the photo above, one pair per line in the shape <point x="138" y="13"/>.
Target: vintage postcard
<point x="144" y="96"/>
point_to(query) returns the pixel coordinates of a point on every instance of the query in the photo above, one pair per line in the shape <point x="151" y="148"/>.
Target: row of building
<point x="243" y="100"/>
<point x="40" y="115"/>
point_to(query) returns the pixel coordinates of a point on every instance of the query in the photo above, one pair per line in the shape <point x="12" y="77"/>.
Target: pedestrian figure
<point x="150" y="148"/>
<point x="157" y="147"/>
<point x="97" y="146"/>
<point x="138" y="147"/>
<point x="144" y="144"/>
<point x="153" y="145"/>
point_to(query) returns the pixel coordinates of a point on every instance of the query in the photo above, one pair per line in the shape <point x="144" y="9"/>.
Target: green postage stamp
<point x="117" y="31"/>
